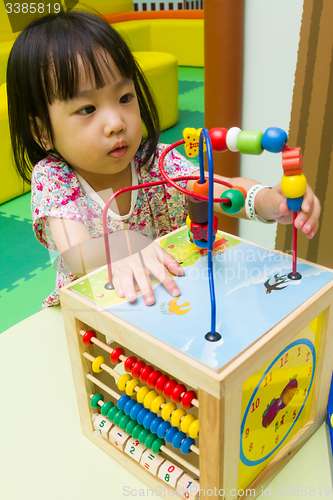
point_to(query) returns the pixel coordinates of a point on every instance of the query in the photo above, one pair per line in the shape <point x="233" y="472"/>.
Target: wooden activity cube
<point x="260" y="392"/>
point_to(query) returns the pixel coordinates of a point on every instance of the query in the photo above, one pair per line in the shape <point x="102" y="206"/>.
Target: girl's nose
<point x="113" y="124"/>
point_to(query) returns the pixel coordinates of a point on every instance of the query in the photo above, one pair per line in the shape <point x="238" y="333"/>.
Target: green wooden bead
<point x="106" y="407"/>
<point x="249" y="142"/>
<point x="142" y="436"/>
<point x="237" y="201"/>
<point x="136" y="431"/>
<point x="149" y="440"/>
<point x="156" y="446"/>
<point x="124" y="421"/>
<point x="117" y="417"/>
<point x="94" y="400"/>
<point x="130" y="426"/>
<point x="112" y="413"/>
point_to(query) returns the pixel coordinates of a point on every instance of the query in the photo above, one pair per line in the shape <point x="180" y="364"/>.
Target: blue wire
<point x="201" y="161"/>
<point x="205" y="134"/>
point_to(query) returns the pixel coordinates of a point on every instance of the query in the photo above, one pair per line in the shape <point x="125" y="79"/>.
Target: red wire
<point x="294" y="244"/>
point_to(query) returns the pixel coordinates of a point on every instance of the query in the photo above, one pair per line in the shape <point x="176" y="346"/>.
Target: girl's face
<point x="99" y="131"/>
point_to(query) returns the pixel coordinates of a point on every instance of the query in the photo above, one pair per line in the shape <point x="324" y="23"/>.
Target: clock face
<point x="277" y="402"/>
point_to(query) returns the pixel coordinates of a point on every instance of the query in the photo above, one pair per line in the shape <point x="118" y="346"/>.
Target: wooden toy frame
<point x="219" y="392"/>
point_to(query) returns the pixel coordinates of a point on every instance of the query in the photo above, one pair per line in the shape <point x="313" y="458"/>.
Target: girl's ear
<point x="40" y="133"/>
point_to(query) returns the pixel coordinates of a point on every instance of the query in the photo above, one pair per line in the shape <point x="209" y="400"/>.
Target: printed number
<point x="294" y="414"/>
<point x="167" y="478"/>
<point x="32" y="8"/>
<point x="103" y="422"/>
<point x="247" y="432"/>
<point x="255" y="405"/>
<point x="277" y="439"/>
<point x="262" y="449"/>
<point x="251" y="447"/>
<point x="132" y="450"/>
<point x="171" y="468"/>
<point x="268" y="379"/>
<point x="284" y="360"/>
<point x="308" y="357"/>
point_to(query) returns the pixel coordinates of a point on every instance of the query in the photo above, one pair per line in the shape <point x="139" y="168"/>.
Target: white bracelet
<point x="249" y="204"/>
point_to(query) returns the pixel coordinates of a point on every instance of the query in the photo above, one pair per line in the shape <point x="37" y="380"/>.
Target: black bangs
<point x="46" y="63"/>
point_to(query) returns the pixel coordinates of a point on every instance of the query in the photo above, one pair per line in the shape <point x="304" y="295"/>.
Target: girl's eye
<point x="126" y="98"/>
<point x="87" y="110"/>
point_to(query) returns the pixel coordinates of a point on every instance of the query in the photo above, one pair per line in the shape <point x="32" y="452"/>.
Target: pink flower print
<point x="75" y="193"/>
<point x="37" y="211"/>
<point x="40" y="187"/>
<point x="64" y="202"/>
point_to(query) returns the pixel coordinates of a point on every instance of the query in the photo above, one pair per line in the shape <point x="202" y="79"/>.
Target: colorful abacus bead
<point x="186" y="422"/>
<point x="160" y="383"/>
<point x="155" y="423"/>
<point x="131" y="386"/>
<point x="167" y="410"/>
<point x="97" y="363"/>
<point x="145" y="372"/>
<point x="95" y="399"/>
<point x="157" y="404"/>
<point x="142" y="393"/>
<point x="177" y="439"/>
<point x="194" y="429"/>
<point x="149" y="398"/>
<point x="274" y="140"/>
<point x="106" y="407"/>
<point x="136" y="368"/>
<point x="86" y="339"/>
<point x="115" y="355"/>
<point x="199" y="188"/>
<point x="236" y="201"/>
<point x="163" y="428"/>
<point x="129" y="362"/>
<point x="122" y="381"/>
<point x="249" y="142"/>
<point x="218" y="138"/>
<point x="148" y="419"/>
<point x="185" y="446"/>
<point x="186" y="400"/>
<point x="168" y="388"/>
<point x="122" y="401"/>
<point x="177" y="416"/>
<point x="152" y="377"/>
<point x="177" y="392"/>
<point x="295" y="204"/>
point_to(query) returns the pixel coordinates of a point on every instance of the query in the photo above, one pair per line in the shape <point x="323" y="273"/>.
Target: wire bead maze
<point x="201" y="221"/>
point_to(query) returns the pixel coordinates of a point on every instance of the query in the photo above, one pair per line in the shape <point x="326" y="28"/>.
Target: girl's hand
<point x="272" y="204"/>
<point x="136" y="268"/>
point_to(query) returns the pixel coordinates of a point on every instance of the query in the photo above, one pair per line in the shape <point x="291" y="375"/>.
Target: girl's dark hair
<point x="43" y="66"/>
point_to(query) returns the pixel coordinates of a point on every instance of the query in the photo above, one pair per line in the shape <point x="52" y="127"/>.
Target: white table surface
<point x="43" y="453"/>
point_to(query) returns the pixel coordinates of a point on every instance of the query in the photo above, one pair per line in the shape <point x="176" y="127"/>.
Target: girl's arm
<point x="270" y="204"/>
<point x="133" y="258"/>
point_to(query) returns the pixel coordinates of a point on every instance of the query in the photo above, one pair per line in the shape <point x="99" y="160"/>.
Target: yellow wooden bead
<point x="188" y="222"/>
<point x="186" y="422"/>
<point x="142" y="393"/>
<point x="96" y="364"/>
<point x="157" y="403"/>
<point x="131" y="385"/>
<point x="176" y="416"/>
<point x="149" y="398"/>
<point x="122" y="381"/>
<point x="167" y="410"/>
<point x="194" y="429"/>
<point x="293" y="186"/>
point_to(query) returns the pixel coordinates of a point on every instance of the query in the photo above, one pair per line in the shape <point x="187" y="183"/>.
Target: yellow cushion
<point x="162" y="74"/>
<point x="11" y="185"/>
<point x="184" y="38"/>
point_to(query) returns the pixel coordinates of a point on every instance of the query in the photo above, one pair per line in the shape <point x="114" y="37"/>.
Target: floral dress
<point x="56" y="191"/>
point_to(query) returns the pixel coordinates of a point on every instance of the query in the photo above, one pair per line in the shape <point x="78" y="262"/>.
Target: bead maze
<point x="190" y="397"/>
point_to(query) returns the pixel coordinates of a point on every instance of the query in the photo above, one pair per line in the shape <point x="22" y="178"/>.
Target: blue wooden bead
<point x="122" y="401"/>
<point x="177" y="439"/>
<point x="141" y="415"/>
<point x="274" y="139"/>
<point x="185" y="446"/>
<point x="295" y="204"/>
<point x="128" y="406"/>
<point x="170" y="433"/>
<point x="162" y="428"/>
<point x="135" y="410"/>
<point x="155" y="423"/>
<point x="148" y="419"/>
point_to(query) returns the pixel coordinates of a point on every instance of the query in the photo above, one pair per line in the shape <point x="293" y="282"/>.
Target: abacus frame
<point x="219" y="392"/>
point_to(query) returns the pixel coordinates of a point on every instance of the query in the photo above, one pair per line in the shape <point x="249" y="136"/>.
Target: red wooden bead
<point x="292" y="161"/>
<point x="201" y="188"/>
<point x="136" y="368"/>
<point x="218" y="137"/>
<point x="160" y="382"/>
<point x="152" y="377"/>
<point x="129" y="363"/>
<point x="145" y="372"/>
<point x="187" y="398"/>
<point x="177" y="392"/>
<point x="168" y="388"/>
<point x="86" y="339"/>
<point x="115" y="354"/>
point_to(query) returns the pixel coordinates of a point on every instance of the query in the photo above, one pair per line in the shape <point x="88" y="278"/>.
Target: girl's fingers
<point x="160" y="272"/>
<point x="142" y="278"/>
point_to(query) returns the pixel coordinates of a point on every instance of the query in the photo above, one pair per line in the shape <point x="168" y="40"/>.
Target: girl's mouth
<point x="118" y="152"/>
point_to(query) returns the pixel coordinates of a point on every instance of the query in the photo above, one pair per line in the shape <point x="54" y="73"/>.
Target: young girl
<point x="77" y="100"/>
